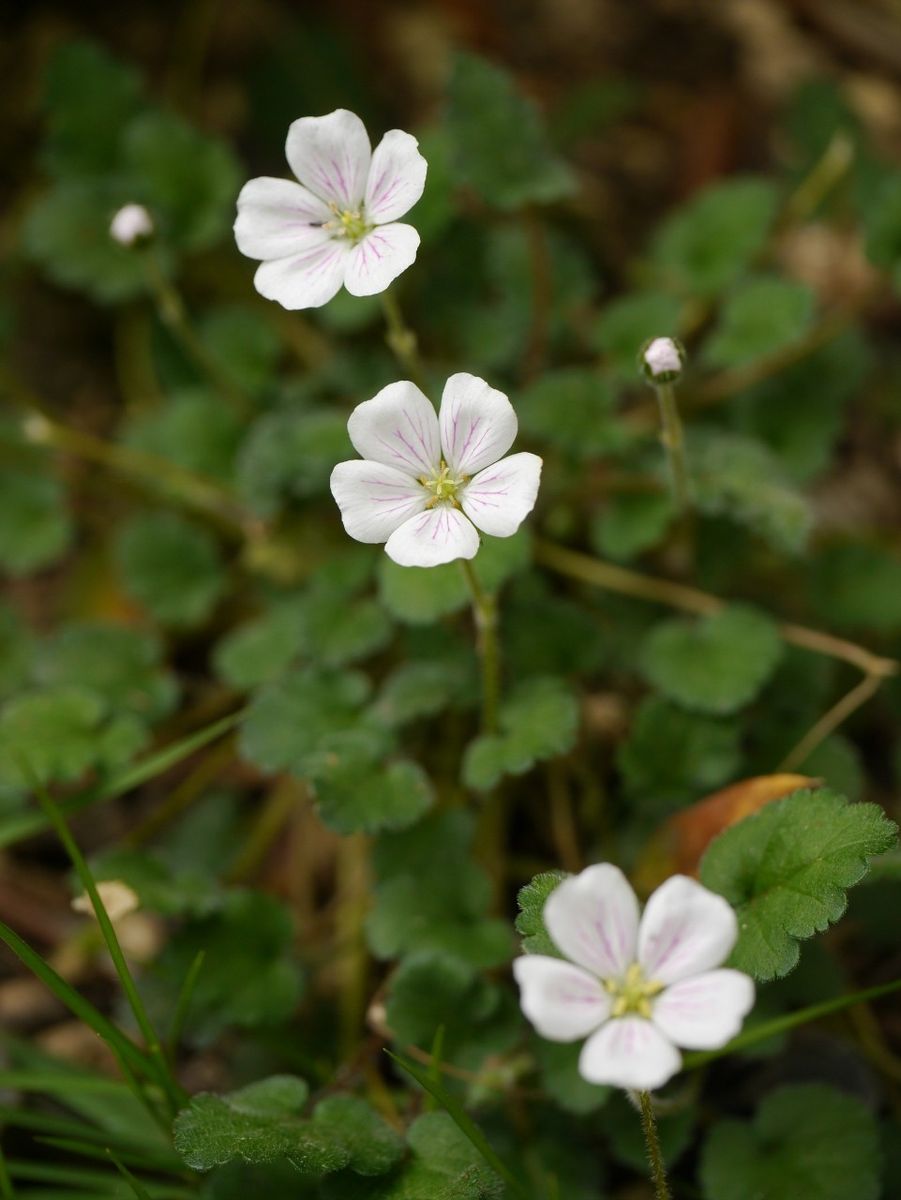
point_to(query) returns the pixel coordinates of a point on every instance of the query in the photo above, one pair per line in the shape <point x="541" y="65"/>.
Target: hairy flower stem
<point x="401" y="339"/>
<point x="173" y="314"/>
<point x="674" y="443"/>
<point x="652" y="1142"/>
<point x="484" y="608"/>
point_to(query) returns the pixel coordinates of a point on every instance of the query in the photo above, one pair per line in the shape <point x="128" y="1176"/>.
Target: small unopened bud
<point x="118" y="899"/>
<point x="37" y="429"/>
<point x="662" y="359"/>
<point x="131" y="224"/>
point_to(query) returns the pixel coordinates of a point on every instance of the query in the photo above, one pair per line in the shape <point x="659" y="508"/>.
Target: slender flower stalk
<point x="652" y="1143"/>
<point x="661" y="361"/>
<point x="484" y="609"/>
<point x="401" y="339"/>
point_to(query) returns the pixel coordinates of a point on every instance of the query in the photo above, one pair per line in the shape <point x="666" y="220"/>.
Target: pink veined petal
<point x="593" y="918"/>
<point x="685" y="929"/>
<point x="383" y="254"/>
<point x="275" y="217"/>
<point x="307" y="279"/>
<point x="478" y="424"/>
<point x="500" y="497"/>
<point x="629" y="1052"/>
<point x="563" y="1002"/>
<point x="398" y="427"/>
<point x="396" y="177"/>
<point x="374" y="499"/>
<point x="437" y="536"/>
<point x="705" y="1011"/>
<point x="331" y="155"/>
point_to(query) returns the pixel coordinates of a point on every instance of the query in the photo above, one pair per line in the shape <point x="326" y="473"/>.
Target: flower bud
<point x="662" y="359"/>
<point x="131" y="224"/>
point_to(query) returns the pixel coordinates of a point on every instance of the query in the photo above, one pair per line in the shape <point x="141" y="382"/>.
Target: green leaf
<point x="67" y="234"/>
<point x="311" y="723"/>
<point x="716" y="664"/>
<point x="855" y="585"/>
<point x="715" y="237"/>
<point x="121" y="665"/>
<point x="431" y="991"/>
<point x="418" y="690"/>
<point x="62" y="732"/>
<point x="249" y="977"/>
<point x="188" y="179"/>
<point x="631" y="523"/>
<point x="288" y="456"/>
<point x="193" y="429"/>
<point x="499" y="145"/>
<point x="531" y="900"/>
<point x="785" y="869"/>
<point x="560" y="1078"/>
<point x="257" y="1124"/>
<point x="337" y="635"/>
<point x="263" y="648"/>
<point x="373" y="1146"/>
<point x="88" y="97"/>
<point x="17" y="652"/>
<point x="171" y="566"/>
<point x="443" y="1165"/>
<point x="539" y="721"/>
<point x="625" y="324"/>
<point x="672" y="756"/>
<point x="624" y="1134"/>
<point x="759" y="318"/>
<point x="391" y="797"/>
<point x="35" y="527"/>
<point x="573" y="409"/>
<point x="882" y="220"/>
<point x="806" y="1140"/>
<point x="740" y="478"/>
<point x="246" y="346"/>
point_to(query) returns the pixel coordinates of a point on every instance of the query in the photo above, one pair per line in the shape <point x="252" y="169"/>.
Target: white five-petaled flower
<point x="339" y="223"/>
<point x="426" y="482"/>
<point x="132" y="223"/>
<point x="635" y="988"/>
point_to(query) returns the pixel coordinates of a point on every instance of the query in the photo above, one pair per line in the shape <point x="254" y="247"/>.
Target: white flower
<point x="130" y="224"/>
<point x="428" y="482"/>
<point x="339" y="223"/>
<point x="635" y="989"/>
<point x="662" y="358"/>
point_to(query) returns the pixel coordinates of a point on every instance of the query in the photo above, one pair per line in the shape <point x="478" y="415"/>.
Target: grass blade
<point x="183" y="1003"/>
<point x="139" y="1190"/>
<point x="463" y="1122"/>
<point x="6" y="1184"/>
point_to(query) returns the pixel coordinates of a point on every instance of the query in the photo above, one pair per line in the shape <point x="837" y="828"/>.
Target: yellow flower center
<point x="633" y="993"/>
<point x="443" y="486"/>
<point x="347" y="223"/>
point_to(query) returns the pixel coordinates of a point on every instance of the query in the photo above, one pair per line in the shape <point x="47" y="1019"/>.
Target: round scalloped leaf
<point x="714" y="664"/>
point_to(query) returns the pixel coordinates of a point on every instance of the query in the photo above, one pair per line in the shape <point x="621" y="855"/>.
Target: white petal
<point x="563" y="1002"/>
<point x="331" y="156"/>
<point x="398" y="427"/>
<point x="396" y="177"/>
<point x="685" y="930"/>
<point x="374" y="499"/>
<point x="478" y="424"/>
<point x="379" y="257"/>
<point x="434" y="537"/>
<point x="706" y="1011"/>
<point x="593" y="918"/>
<point x="307" y="279"/>
<point x="499" y="498"/>
<point x="274" y="217"/>
<point x="629" y="1052"/>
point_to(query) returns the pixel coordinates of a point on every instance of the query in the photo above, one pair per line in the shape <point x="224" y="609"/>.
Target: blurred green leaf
<point x="716" y="664"/>
<point x="350" y="799"/>
<point x="35" y="525"/>
<point x="785" y="870"/>
<point x="244" y="344"/>
<point x="626" y="323"/>
<point x="17" y="652"/>
<point x="573" y="410"/>
<point x="672" y="756"/>
<point x="807" y="1140"/>
<point x="499" y="145"/>
<point x="539" y="721"/>
<point x="193" y="429"/>
<point x="761" y="316"/>
<point x="709" y="242"/>
<point x="558" y="1065"/>
<point x="171" y="566"/>
<point x="855" y="585"/>
<point x="263" y="648"/>
<point x="289" y="456"/>
<point x="631" y="523"/>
